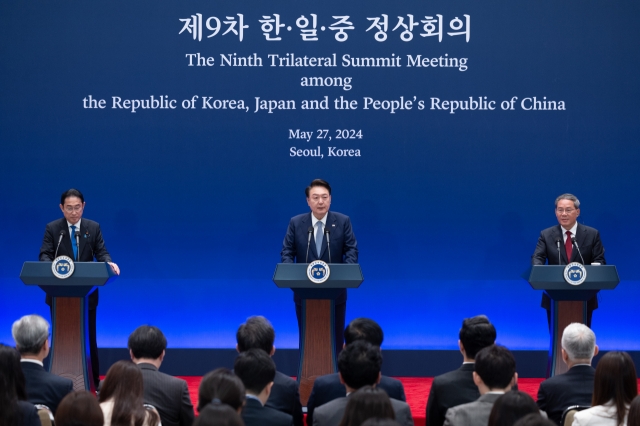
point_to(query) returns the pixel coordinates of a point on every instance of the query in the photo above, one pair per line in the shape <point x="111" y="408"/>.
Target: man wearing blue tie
<point x="321" y="235"/>
<point x="61" y="238"/>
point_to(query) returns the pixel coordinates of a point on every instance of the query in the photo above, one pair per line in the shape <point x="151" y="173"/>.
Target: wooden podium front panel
<point x="70" y="357"/>
<point x="318" y="352"/>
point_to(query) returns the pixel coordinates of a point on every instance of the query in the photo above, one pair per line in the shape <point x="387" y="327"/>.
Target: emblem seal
<point x="62" y="267"/>
<point x="575" y="273"/>
<point x="318" y="272"/>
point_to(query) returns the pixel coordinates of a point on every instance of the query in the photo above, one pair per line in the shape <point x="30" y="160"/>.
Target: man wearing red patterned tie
<point x="567" y="242"/>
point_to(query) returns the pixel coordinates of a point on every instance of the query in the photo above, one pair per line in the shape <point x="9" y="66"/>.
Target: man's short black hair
<point x="317" y="182"/>
<point x="256" y="333"/>
<point x="363" y="329"/>
<point x="476" y="333"/>
<point x="71" y="193"/>
<point x="496" y="366"/>
<point x="359" y="364"/>
<point x="147" y="341"/>
<point x="255" y="368"/>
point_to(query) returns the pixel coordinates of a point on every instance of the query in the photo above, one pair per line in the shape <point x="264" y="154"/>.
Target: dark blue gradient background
<point x="194" y="204"/>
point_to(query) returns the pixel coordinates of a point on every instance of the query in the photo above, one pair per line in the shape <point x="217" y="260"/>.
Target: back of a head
<point x="496" y="366"/>
<point x="256" y="333"/>
<point x="511" y="407"/>
<point x="476" y="333"/>
<point x="79" y="408"/>
<point x="634" y="412"/>
<point x="534" y="419"/>
<point x="363" y="329"/>
<point x="366" y="403"/>
<point x="255" y="368"/>
<point x="359" y="364"/>
<point x="218" y="414"/>
<point x="615" y="380"/>
<point x="30" y="333"/>
<point x="579" y="342"/>
<point x="147" y="341"/>
<point x="376" y="421"/>
<point x="223" y="385"/>
<point x="12" y="385"/>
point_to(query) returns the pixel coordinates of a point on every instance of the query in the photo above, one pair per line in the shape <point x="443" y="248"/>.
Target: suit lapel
<point x="65" y="245"/>
<point x="580" y="239"/>
<point x="563" y="250"/>
<point x="330" y="220"/>
<point x="83" y="241"/>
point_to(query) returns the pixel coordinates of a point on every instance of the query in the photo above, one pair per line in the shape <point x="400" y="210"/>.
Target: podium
<point x="69" y="355"/>
<point x="317" y="330"/>
<point x="568" y="301"/>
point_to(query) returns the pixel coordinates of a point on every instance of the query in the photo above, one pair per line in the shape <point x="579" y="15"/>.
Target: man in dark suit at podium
<point x="306" y="241"/>
<point x="60" y="239"/>
<point x="568" y="242"/>
<point x="575" y="387"/>
<point x="31" y="334"/>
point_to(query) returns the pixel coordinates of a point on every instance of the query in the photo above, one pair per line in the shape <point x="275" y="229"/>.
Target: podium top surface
<point x="85" y="274"/>
<point x="551" y="277"/>
<point x="294" y="275"/>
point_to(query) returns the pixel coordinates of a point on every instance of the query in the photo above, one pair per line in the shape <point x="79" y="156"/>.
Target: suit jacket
<point x="91" y="246"/>
<point x="449" y="390"/>
<point x="600" y="415"/>
<point x="588" y="240"/>
<point x="29" y="414"/>
<point x="254" y="414"/>
<point x="168" y="394"/>
<point x="575" y="387"/>
<point x="43" y="387"/>
<point x="330" y="414"/>
<point x="327" y="388"/>
<point x="285" y="397"/>
<point x="474" y="413"/>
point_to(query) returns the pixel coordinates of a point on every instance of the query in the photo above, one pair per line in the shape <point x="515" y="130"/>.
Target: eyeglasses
<point x="70" y="209"/>
<point x="567" y="211"/>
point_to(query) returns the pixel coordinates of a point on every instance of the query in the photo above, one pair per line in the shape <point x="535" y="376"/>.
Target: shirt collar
<point x="77" y="225"/>
<point x="314" y="221"/>
<point x="35" y="361"/>
<point x="249" y="396"/>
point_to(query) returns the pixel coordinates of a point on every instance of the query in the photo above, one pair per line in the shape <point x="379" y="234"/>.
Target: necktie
<point x="319" y="237"/>
<point x="74" y="243"/>
<point x="568" y="246"/>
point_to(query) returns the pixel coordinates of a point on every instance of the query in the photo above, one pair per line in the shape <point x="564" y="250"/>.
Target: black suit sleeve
<point x="186" y="410"/>
<point x="540" y="254"/>
<point x="597" y="250"/>
<point x="542" y="398"/>
<point x="434" y="415"/>
<point x="47" y="250"/>
<point x="99" y="250"/>
<point x="288" y="253"/>
<point x="350" y="245"/>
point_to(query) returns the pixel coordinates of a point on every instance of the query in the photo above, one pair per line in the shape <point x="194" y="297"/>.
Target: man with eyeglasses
<point x="556" y="246"/>
<point x="91" y="246"/>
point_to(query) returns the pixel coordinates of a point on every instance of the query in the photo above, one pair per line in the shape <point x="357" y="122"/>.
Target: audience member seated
<point x="257" y="370"/>
<point x="168" y="394"/>
<point x="534" y="419"/>
<point x="366" y="403"/>
<point x="31" y="334"/>
<point x="218" y="414"/>
<point x="79" y="409"/>
<point x="358" y="366"/>
<point x="122" y="397"/>
<point x="380" y="422"/>
<point x="14" y="408"/>
<point x="614" y="387"/>
<point x="575" y="387"/>
<point x="495" y="374"/>
<point x="511" y="407"/>
<point x="634" y="412"/>
<point x="327" y="388"/>
<point x="258" y="333"/>
<point x="457" y="387"/>
<point x="222" y="385"/>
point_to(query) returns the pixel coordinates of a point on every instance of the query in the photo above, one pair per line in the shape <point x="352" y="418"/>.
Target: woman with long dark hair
<point x="79" y="408"/>
<point x="614" y="387"/>
<point x="14" y="408"/>
<point x="121" y="397"/>
<point x="511" y="407"/>
<point x="634" y="412"/>
<point x="223" y="385"/>
<point x="365" y="403"/>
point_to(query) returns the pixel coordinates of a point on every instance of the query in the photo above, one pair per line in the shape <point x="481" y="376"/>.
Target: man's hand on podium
<point x="114" y="267"/>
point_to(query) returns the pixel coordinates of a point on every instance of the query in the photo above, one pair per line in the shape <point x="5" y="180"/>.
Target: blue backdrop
<point x="446" y="204"/>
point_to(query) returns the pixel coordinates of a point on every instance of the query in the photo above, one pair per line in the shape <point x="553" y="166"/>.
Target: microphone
<point x="327" y="231"/>
<point x="573" y="240"/>
<point x="78" y="245"/>
<point x="309" y="231"/>
<point x="558" y="244"/>
<point x="58" y="246"/>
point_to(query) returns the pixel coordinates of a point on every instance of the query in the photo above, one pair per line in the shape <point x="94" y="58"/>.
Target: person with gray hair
<point x="575" y="387"/>
<point x="31" y="334"/>
<point x="569" y="242"/>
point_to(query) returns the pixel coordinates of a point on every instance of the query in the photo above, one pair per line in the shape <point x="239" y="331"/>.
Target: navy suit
<point x="327" y="388"/>
<point x="254" y="414"/>
<point x="285" y="397"/>
<point x="343" y="248"/>
<point x="588" y="240"/>
<point x="575" y="387"/>
<point x="43" y="387"/>
<point x="91" y="246"/>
